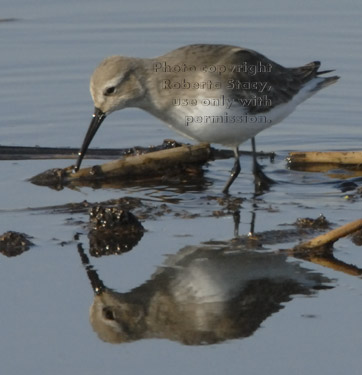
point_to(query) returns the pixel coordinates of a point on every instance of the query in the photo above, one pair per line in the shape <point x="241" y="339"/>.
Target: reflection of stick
<point x="335" y="264"/>
<point x="331" y="157"/>
<point x="332" y="236"/>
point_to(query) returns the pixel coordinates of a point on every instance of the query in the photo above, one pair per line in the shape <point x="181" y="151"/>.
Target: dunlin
<point x="210" y="93"/>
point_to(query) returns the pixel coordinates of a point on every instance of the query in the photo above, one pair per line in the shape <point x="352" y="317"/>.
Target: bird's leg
<point x="252" y="225"/>
<point x="236" y="217"/>
<point x="261" y="181"/>
<point x="234" y="172"/>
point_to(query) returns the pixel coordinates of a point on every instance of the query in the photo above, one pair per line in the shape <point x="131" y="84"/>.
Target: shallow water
<point x="51" y="50"/>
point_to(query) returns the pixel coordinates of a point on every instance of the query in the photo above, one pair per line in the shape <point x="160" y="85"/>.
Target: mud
<point x="357" y="238"/>
<point x="14" y="243"/>
<point x="320" y="223"/>
<point x="114" y="231"/>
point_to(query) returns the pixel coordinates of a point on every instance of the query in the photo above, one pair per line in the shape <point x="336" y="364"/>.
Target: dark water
<point x="203" y="295"/>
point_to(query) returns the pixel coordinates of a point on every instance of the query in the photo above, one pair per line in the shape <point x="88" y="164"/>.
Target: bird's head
<point x="115" y="84"/>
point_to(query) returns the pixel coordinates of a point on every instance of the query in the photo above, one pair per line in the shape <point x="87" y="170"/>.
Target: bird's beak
<point x="96" y="122"/>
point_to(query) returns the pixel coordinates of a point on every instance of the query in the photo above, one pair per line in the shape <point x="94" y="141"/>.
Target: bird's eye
<point x="108" y="313"/>
<point x="109" y="90"/>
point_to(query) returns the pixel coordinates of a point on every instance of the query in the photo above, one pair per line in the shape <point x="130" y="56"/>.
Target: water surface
<point x="49" y="52"/>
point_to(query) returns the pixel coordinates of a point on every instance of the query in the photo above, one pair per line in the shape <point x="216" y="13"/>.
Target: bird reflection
<point x="201" y="295"/>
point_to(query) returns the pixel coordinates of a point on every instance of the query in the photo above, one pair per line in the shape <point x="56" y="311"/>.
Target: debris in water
<point x="321" y="222"/>
<point x="114" y="231"/>
<point x="14" y="243"/>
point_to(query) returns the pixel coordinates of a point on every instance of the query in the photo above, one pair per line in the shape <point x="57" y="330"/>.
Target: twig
<point x="319" y="249"/>
<point x="327" y="239"/>
<point x="330" y="157"/>
<point x="34" y="153"/>
<point x="152" y="164"/>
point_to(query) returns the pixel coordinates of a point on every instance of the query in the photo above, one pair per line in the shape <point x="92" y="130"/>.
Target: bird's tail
<point x="309" y="71"/>
<point x="325" y="81"/>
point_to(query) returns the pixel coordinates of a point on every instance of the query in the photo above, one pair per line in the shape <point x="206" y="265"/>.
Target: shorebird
<point x="207" y="92"/>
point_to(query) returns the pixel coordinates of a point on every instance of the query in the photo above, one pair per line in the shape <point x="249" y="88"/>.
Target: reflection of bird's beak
<point x="96" y="283"/>
<point x="96" y="122"/>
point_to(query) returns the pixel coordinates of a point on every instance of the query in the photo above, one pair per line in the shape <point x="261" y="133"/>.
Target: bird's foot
<point x="262" y="182"/>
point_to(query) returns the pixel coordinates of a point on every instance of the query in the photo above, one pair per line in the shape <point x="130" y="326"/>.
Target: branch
<point x="328" y="239"/>
<point x="152" y="164"/>
<point x="329" y="157"/>
<point x="319" y="249"/>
